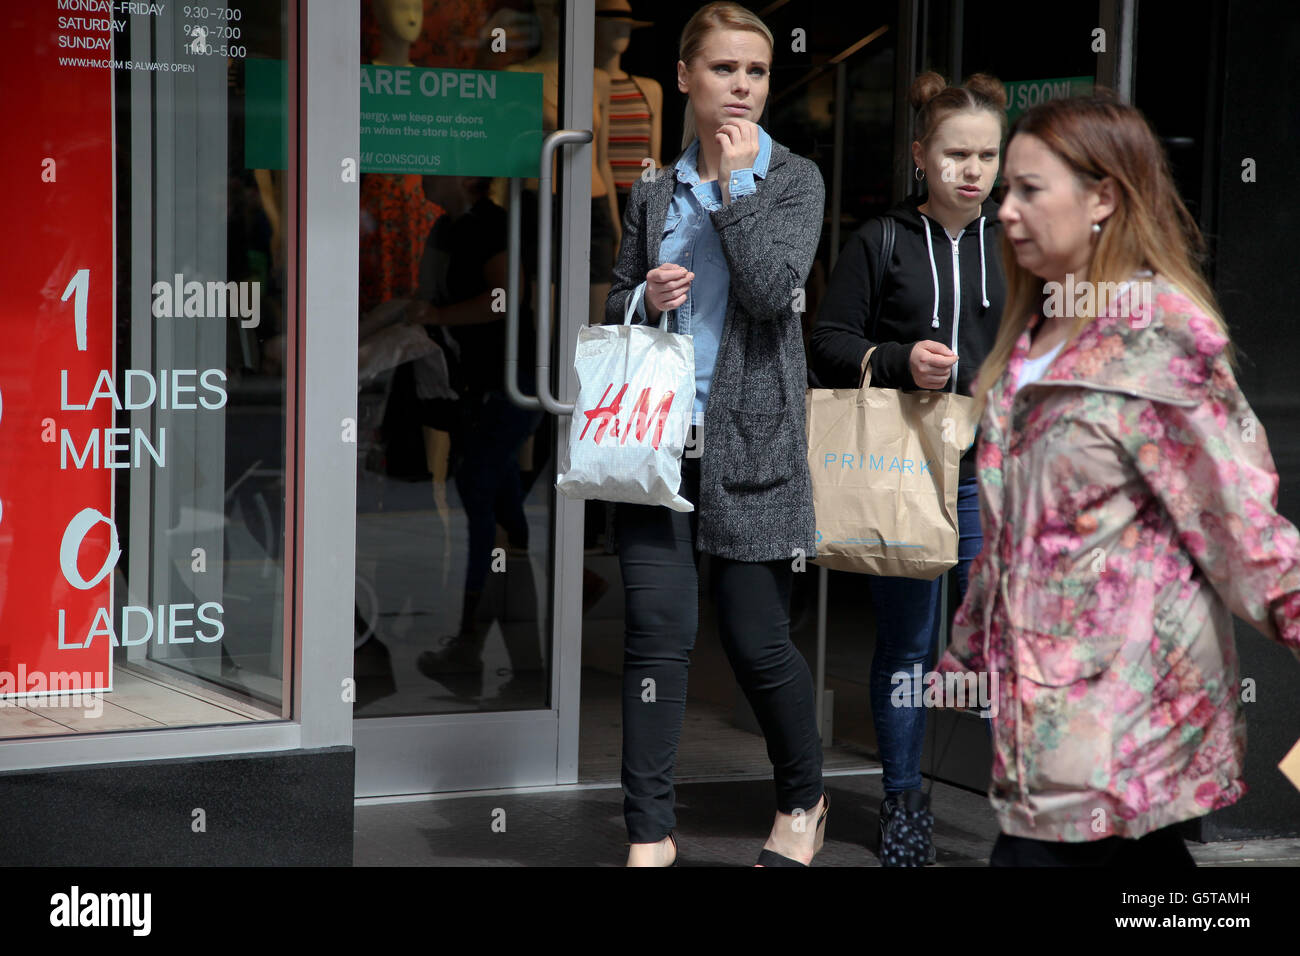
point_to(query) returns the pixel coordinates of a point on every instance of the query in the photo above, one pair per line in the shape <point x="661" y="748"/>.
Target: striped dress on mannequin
<point x="629" y="135"/>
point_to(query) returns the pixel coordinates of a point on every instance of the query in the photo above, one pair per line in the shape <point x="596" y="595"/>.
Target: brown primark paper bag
<point x="884" y="467"/>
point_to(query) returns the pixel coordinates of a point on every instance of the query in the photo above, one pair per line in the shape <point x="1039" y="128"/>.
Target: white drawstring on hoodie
<point x="984" y="286"/>
<point x="934" y="272"/>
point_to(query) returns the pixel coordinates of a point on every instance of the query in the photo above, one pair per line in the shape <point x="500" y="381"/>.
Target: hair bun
<point x="988" y="86"/>
<point x="925" y="88"/>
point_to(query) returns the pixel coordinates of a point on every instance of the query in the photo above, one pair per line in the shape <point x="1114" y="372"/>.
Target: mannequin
<point x="636" y="102"/>
<point x="395" y="214"/>
<point x="396" y="218"/>
<point x="400" y="22"/>
<point x="603" y="191"/>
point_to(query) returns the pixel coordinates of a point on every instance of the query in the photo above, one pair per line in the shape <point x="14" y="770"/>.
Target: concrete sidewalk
<point x="719" y="823"/>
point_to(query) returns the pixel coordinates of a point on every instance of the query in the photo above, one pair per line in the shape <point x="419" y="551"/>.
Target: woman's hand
<point x="931" y="364"/>
<point x="738" y="140"/>
<point x="665" y="288"/>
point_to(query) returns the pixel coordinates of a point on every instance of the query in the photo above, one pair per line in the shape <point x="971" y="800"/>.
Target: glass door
<point x="468" y="565"/>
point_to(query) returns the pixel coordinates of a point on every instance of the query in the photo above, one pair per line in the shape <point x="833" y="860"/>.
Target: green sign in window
<point x="1022" y="94"/>
<point x="443" y="122"/>
<point x="266" y="98"/>
<point x="450" y="122"/>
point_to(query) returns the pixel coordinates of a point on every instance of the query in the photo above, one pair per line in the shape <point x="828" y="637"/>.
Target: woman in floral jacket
<point x="1128" y="506"/>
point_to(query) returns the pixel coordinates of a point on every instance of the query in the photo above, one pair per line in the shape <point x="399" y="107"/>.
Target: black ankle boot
<point x="905" y="827"/>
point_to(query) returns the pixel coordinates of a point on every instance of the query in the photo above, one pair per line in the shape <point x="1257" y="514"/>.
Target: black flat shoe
<point x="772" y="858"/>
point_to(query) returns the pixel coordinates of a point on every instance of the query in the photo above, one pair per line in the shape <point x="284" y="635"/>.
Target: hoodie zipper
<point x="956" y="301"/>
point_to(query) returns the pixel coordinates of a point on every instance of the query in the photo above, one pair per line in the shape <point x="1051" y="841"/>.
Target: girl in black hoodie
<point x="941" y="296"/>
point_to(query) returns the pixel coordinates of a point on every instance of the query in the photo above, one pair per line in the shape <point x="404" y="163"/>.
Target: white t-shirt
<point x="1034" y="368"/>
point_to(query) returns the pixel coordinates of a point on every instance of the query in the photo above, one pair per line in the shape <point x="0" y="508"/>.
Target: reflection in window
<point x="454" y="507"/>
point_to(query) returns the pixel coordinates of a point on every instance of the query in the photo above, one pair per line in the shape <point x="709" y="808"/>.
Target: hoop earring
<point x="919" y="174"/>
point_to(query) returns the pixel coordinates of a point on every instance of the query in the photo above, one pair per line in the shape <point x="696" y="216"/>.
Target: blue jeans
<point x="907" y="634"/>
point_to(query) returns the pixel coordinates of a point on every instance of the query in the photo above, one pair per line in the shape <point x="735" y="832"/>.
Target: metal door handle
<point x="550" y="144"/>
<point x="514" y="260"/>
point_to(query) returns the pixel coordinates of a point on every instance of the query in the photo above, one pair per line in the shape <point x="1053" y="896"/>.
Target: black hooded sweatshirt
<point x="917" y="302"/>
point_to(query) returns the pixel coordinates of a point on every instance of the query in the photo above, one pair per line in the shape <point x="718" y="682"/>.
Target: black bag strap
<point x="882" y="265"/>
<point x="884" y="254"/>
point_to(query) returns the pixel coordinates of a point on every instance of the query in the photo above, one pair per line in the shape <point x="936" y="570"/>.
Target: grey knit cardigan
<point x="755" y="491"/>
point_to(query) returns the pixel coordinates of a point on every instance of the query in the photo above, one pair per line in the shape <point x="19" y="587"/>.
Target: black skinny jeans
<point x="659" y="562"/>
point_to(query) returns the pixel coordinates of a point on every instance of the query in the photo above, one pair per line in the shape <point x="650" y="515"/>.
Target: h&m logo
<point x="903" y="466"/>
<point x="642" y="415"/>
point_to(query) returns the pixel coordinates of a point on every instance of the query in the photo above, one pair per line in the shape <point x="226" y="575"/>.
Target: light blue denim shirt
<point x="689" y="240"/>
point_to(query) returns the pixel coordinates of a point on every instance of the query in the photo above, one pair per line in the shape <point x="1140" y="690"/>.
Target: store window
<point x="145" y="378"/>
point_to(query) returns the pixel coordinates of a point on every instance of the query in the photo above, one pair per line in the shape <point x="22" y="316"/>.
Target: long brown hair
<point x="1099" y="137"/>
<point x="722" y="15"/>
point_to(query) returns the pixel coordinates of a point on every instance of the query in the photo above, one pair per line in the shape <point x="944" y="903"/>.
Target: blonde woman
<point x="1128" y="506"/>
<point x="721" y="240"/>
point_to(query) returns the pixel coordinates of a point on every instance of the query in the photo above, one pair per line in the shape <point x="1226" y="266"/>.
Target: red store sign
<point x="58" y="546"/>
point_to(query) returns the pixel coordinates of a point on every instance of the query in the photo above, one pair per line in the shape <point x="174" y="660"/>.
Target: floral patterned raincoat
<point x="1128" y="504"/>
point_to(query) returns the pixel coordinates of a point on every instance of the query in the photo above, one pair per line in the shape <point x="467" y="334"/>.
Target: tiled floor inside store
<point x="138" y="701"/>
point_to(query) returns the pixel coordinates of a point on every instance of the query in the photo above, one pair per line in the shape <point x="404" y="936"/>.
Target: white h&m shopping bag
<point x="636" y="389"/>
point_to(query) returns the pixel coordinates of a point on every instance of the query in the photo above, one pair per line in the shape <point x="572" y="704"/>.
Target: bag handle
<point x="866" y="369"/>
<point x="635" y="296"/>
